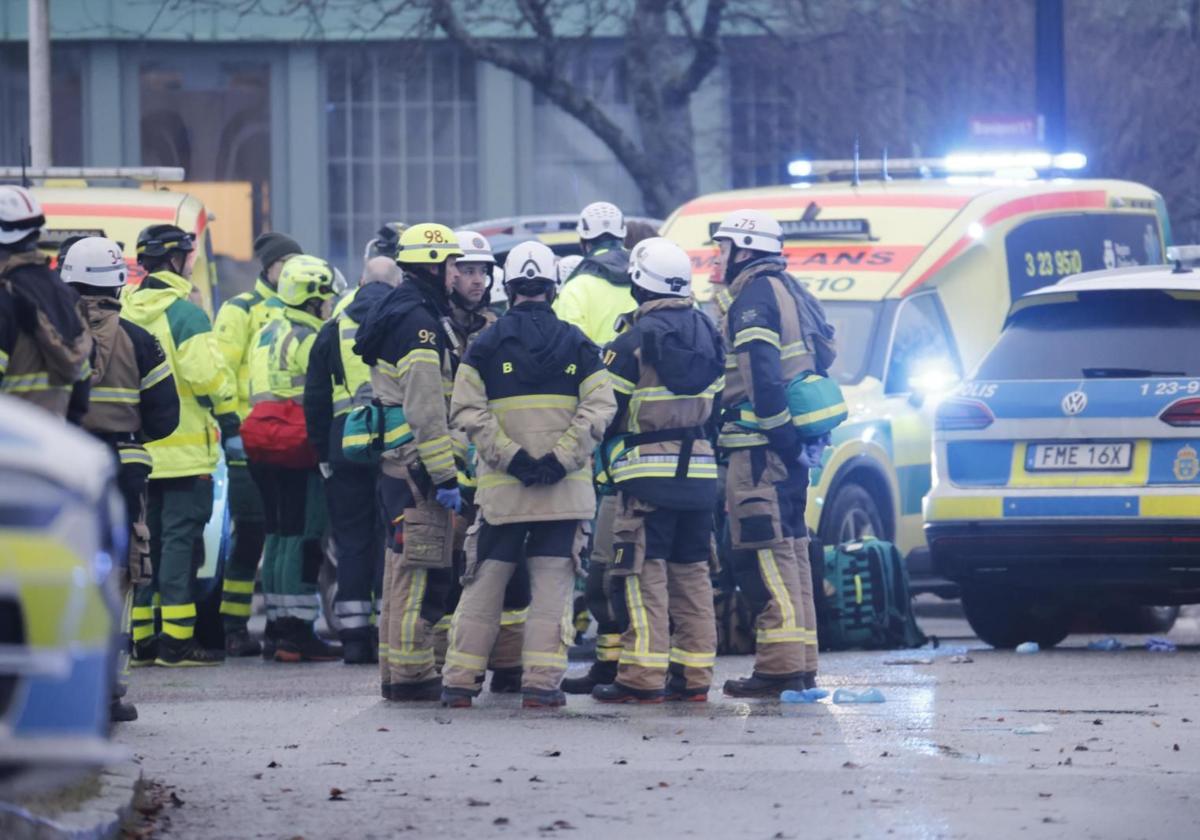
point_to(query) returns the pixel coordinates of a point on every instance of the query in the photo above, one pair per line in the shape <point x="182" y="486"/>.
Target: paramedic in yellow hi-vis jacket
<point x="770" y="341"/>
<point x="407" y="341"/>
<point x="667" y="370"/>
<point x="535" y="400"/>
<point x="180" y="490"/>
<point x="236" y="326"/>
<point x="293" y="502"/>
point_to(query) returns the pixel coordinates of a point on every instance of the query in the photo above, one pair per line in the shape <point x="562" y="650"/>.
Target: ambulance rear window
<point x="1113" y="334"/>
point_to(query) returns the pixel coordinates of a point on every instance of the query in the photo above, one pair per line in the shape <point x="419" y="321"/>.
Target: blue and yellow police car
<point x="1067" y="468"/>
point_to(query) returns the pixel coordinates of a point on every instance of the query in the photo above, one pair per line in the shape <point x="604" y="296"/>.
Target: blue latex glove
<point x="234" y="450"/>
<point x="450" y="498"/>
<point x="812" y="451"/>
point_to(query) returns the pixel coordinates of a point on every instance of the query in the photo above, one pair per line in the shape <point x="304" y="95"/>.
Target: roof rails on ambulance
<point x="143" y="174"/>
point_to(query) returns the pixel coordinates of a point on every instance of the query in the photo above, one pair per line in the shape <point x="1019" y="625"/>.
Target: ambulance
<point x="917" y="263"/>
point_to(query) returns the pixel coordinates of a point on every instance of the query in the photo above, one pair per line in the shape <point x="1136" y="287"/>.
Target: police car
<point x="1067" y="469"/>
<point x="62" y="529"/>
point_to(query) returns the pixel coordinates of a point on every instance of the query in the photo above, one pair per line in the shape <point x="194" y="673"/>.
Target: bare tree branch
<point x="706" y="53"/>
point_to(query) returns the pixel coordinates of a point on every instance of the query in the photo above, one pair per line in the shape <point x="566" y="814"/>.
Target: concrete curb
<point x="99" y="817"/>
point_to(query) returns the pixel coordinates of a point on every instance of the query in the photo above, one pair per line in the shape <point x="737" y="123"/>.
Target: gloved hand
<point x="234" y="449"/>
<point x="550" y="471"/>
<point x="523" y="467"/>
<point x="812" y="451"/>
<point x="450" y="498"/>
<point x="326" y="470"/>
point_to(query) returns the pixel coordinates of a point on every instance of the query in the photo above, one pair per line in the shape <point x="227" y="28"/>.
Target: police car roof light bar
<point x="173" y="174"/>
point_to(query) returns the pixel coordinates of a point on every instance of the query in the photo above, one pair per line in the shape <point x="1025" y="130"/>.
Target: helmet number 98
<point x="434" y="235"/>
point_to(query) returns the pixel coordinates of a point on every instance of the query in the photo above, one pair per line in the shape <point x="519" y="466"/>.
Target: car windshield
<point x="1114" y="334"/>
<point x="854" y="322"/>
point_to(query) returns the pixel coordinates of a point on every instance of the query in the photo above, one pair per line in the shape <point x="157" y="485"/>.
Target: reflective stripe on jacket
<point x="238" y="322"/>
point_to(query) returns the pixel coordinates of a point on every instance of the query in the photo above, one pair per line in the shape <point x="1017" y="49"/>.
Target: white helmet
<point x="751" y="229"/>
<point x="20" y="214"/>
<point x="529" y="262"/>
<point x="599" y="218"/>
<point x="567" y="265"/>
<point x="94" y="261"/>
<point x="660" y="266"/>
<point x="475" y="247"/>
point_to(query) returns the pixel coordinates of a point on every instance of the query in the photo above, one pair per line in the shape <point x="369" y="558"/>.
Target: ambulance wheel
<point x="1005" y="618"/>
<point x="327" y="588"/>
<point x="852" y="516"/>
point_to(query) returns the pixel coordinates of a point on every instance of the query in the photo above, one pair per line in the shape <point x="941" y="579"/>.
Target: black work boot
<point x="360" y="651"/>
<point x="419" y="692"/>
<point x="270" y="636"/>
<point x="617" y="693"/>
<point x="532" y="698"/>
<point x="764" y="685"/>
<point x="810" y="679"/>
<point x="601" y="673"/>
<point x="457" y="698"/>
<point x="121" y="712"/>
<point x="299" y="642"/>
<point x="144" y="653"/>
<point x="678" y="691"/>
<point x="185" y="653"/>
<point x="506" y="680"/>
<point x="239" y="643"/>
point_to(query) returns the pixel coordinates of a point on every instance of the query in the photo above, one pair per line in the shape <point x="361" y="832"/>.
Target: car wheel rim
<point x="855" y="526"/>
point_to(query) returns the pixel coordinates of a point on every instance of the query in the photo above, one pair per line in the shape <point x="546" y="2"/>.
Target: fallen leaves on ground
<point x="337" y="795"/>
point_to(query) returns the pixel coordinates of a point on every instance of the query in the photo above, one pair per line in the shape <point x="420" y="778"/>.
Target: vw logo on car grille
<point x="1074" y="403"/>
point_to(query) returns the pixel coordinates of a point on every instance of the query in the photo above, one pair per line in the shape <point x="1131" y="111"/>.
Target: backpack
<point x="867" y="602"/>
<point x="373" y="429"/>
<point x="276" y="433"/>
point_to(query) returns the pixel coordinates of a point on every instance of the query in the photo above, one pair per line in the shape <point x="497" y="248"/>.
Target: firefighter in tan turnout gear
<point x="470" y="315"/>
<point x="407" y="341"/>
<point x="775" y="332"/>
<point x="534" y="399"/>
<point x="667" y="370"/>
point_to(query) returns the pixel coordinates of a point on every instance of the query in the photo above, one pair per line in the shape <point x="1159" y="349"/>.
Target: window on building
<point x="401" y="141"/>
<point x="213" y="118"/>
<point x="66" y="110"/>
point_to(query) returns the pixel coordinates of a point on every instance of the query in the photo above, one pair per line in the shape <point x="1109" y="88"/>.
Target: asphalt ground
<point x="261" y="750"/>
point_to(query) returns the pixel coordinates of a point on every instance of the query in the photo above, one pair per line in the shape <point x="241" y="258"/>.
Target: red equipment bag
<point x="275" y="433"/>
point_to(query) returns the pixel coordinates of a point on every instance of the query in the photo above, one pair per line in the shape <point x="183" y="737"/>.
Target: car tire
<point x="852" y="516"/>
<point x="327" y="587"/>
<point x="1005" y="618"/>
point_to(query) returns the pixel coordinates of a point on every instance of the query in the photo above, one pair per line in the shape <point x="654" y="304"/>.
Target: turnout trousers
<point x="765" y="501"/>
<point x="417" y="574"/>
<point x="608" y="627"/>
<point x="660" y="580"/>
<point x="506" y="653"/>
<point x="544" y="553"/>
<point x="358" y="535"/>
